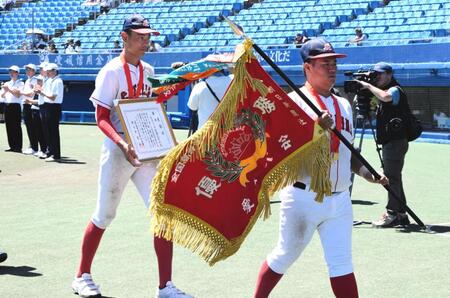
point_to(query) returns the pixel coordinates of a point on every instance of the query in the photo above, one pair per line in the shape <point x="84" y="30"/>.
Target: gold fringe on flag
<point x="312" y="159"/>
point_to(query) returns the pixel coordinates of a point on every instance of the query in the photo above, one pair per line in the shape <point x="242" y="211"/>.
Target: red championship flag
<point x="210" y="189"/>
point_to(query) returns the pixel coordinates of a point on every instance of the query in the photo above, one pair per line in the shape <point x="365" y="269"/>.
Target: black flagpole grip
<point x="337" y="133"/>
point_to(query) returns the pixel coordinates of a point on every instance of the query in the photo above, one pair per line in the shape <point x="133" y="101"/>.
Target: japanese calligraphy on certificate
<point x="146" y="127"/>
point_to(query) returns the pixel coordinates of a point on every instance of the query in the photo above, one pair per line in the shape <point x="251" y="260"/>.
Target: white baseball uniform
<point x="115" y="170"/>
<point x="301" y="215"/>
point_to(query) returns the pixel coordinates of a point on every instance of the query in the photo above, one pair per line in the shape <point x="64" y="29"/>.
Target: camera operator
<point x="391" y="133"/>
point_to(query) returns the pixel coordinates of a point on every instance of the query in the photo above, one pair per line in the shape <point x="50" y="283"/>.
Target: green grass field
<point x="44" y="208"/>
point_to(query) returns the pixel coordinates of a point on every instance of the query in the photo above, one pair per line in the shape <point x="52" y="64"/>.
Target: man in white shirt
<point x="28" y="93"/>
<point x="207" y="94"/>
<point x="38" y="138"/>
<point x="42" y="111"/>
<point x="13" y="117"/>
<point x="53" y="93"/>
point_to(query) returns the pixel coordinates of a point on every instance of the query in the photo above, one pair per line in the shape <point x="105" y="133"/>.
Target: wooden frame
<point x="146" y="127"/>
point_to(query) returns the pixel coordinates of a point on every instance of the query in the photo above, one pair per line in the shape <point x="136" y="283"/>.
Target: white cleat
<point x="170" y="291"/>
<point x="85" y="287"/>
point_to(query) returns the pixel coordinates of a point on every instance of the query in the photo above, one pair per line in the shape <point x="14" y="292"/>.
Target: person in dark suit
<point x="13" y="115"/>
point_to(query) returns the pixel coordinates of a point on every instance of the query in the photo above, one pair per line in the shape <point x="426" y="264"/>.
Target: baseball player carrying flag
<point x="211" y="188"/>
<point x="245" y="152"/>
<point x="300" y="214"/>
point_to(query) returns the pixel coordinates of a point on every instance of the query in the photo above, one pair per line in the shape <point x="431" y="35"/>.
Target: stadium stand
<point x="198" y="25"/>
<point x="400" y="22"/>
<point x="51" y="16"/>
<point x="174" y="20"/>
<point x="414" y="35"/>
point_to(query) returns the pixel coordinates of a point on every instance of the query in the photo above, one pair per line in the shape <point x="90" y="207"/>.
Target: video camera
<point x="363" y="96"/>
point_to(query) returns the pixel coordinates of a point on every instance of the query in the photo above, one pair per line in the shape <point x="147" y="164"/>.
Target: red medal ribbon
<point x="131" y="90"/>
<point x="338" y="119"/>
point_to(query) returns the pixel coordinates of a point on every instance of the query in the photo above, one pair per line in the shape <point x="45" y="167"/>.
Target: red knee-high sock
<point x="164" y="253"/>
<point x="344" y="286"/>
<point x="91" y="240"/>
<point x="267" y="280"/>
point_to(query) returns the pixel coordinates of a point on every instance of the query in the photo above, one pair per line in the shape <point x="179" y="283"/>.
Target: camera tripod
<point x="363" y="116"/>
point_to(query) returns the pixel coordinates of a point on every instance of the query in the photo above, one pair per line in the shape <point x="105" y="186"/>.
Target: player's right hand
<point x="326" y="121"/>
<point x="129" y="153"/>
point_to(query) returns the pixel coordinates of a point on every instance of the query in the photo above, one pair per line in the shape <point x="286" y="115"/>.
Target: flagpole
<point x="238" y="31"/>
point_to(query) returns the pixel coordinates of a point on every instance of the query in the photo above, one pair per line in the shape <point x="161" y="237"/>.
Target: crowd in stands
<point x="37" y="102"/>
<point x="39" y="43"/>
<point x="36" y="43"/>
<point x="335" y="29"/>
<point x="72" y="47"/>
<point x="6" y="5"/>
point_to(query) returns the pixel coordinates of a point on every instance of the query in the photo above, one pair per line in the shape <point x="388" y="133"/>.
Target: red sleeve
<point x="105" y="125"/>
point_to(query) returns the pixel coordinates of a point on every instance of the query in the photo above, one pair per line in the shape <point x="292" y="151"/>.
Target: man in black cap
<point x="300" y="214"/>
<point x="124" y="77"/>
<point x="391" y="133"/>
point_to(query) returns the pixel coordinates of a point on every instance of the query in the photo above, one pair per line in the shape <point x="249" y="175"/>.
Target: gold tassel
<point x="174" y="224"/>
<point x="224" y="116"/>
<point x="201" y="238"/>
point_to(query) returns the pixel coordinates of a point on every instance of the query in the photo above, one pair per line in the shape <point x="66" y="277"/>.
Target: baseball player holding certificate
<point x="123" y="77"/>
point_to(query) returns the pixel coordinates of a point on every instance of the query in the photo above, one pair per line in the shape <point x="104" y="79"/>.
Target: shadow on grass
<point x="24" y="271"/>
<point x="361" y="202"/>
<point x="355" y="202"/>
<point x="414" y="228"/>
<point x="68" y="160"/>
<point x="411" y="228"/>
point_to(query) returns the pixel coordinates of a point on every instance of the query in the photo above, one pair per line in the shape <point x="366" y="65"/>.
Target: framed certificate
<point x="146" y="127"/>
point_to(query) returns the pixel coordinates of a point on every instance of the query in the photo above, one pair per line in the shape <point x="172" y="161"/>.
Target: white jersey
<point x="340" y="171"/>
<point x="203" y="101"/>
<point x="30" y="83"/>
<point x="9" y="97"/>
<point x="111" y="84"/>
<point x="41" y="98"/>
<point x="54" y="86"/>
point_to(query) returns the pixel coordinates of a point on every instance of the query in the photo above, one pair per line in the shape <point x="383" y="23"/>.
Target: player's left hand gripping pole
<point x="238" y="31"/>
